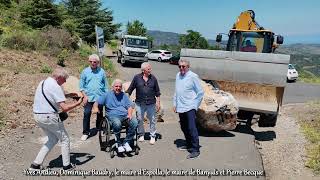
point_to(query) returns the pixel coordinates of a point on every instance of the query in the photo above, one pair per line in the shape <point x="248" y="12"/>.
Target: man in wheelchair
<point x="118" y="109"/>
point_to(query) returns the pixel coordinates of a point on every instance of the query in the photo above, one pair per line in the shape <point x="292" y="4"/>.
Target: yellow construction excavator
<point x="248" y="69"/>
<point x="248" y="36"/>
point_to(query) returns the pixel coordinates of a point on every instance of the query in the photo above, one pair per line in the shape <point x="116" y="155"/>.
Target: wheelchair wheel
<point x="136" y="151"/>
<point x="104" y="135"/>
<point x="112" y="153"/>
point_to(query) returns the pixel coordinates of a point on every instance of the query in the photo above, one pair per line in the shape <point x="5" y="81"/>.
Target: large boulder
<point x="71" y="85"/>
<point x="218" y="109"/>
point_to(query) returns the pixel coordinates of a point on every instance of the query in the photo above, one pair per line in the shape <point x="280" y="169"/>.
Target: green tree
<point x="193" y="40"/>
<point x="87" y="14"/>
<point x="164" y="46"/>
<point x="136" y="28"/>
<point x="40" y="13"/>
<point x="68" y="22"/>
<point x="5" y="4"/>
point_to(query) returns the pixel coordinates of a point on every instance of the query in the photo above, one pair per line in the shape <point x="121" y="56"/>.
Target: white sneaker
<point x="152" y="140"/>
<point x="141" y="139"/>
<point x="121" y="149"/>
<point x="84" y="137"/>
<point x="127" y="147"/>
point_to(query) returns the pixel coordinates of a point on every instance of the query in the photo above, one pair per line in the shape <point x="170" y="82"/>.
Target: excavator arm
<point x="246" y="21"/>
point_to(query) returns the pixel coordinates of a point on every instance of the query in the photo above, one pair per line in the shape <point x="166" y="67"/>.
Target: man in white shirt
<point x="186" y="101"/>
<point x="49" y="97"/>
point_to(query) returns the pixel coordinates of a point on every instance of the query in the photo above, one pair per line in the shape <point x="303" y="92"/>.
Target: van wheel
<point x="123" y="62"/>
<point x="159" y="59"/>
<point x="267" y="120"/>
<point x="119" y="57"/>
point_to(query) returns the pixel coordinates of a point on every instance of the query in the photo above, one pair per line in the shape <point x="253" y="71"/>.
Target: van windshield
<point x="141" y="43"/>
<point x="291" y="66"/>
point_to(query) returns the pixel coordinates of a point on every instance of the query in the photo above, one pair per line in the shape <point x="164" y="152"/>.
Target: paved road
<point x="229" y="152"/>
<point x="299" y="92"/>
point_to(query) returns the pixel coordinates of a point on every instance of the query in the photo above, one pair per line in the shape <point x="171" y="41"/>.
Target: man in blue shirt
<point x="119" y="108"/>
<point x="93" y="83"/>
<point x="187" y="98"/>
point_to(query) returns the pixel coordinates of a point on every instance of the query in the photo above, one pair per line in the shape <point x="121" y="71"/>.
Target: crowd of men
<point x="95" y="94"/>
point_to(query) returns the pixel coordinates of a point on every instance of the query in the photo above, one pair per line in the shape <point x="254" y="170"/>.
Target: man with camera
<point x="49" y="97"/>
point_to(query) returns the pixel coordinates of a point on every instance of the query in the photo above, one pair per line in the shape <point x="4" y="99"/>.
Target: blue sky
<point x="297" y="20"/>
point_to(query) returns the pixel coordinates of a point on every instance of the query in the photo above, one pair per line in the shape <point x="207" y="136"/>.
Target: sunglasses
<point x="182" y="66"/>
<point x="93" y="62"/>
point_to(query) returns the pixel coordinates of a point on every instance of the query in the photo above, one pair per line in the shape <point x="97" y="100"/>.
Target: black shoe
<point x="69" y="167"/>
<point x="35" y="167"/>
<point x="193" y="155"/>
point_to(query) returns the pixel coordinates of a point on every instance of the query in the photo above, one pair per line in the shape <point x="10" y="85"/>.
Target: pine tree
<point x="136" y="28"/>
<point x="193" y="40"/>
<point x="40" y="13"/>
<point x="87" y="14"/>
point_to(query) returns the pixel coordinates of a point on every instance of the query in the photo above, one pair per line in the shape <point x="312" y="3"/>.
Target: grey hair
<point x="60" y="72"/>
<point x="144" y="65"/>
<point x="116" y="81"/>
<point x="184" y="61"/>
<point x="95" y="57"/>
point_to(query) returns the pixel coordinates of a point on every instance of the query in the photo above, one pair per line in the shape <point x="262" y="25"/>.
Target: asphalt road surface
<point x="226" y="155"/>
<point x="299" y="92"/>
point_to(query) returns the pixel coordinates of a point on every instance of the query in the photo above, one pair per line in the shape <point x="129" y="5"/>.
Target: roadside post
<point x="100" y="43"/>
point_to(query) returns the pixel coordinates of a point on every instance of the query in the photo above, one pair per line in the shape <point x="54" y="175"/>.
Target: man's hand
<point x="85" y="100"/>
<point x="95" y="108"/>
<point x="129" y="116"/>
<point x="158" y="106"/>
<point x="174" y="109"/>
<point x="80" y="100"/>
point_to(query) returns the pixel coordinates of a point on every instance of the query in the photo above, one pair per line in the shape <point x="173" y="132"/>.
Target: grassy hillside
<point x="306" y="58"/>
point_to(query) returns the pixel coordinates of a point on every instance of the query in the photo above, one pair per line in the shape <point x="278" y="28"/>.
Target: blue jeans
<point x="150" y="109"/>
<point x="116" y="124"/>
<point x="87" y="116"/>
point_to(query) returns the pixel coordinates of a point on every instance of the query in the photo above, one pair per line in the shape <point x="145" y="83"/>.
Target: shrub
<point x="85" y="50"/>
<point x="113" y="44"/>
<point x="23" y="40"/>
<point x="58" y="39"/>
<point x="109" y="67"/>
<point x="46" y="69"/>
<point x="62" y="57"/>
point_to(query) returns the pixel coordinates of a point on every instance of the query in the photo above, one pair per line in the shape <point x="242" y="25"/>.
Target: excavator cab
<point x="250" y="41"/>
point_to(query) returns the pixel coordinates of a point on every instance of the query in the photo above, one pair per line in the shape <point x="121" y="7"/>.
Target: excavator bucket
<point x="256" y="80"/>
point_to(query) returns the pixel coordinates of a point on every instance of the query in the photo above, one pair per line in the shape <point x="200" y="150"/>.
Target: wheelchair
<point x="107" y="144"/>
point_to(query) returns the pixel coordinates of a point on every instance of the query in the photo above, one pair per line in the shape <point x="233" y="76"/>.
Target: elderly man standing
<point x="118" y="108"/>
<point x="147" y="99"/>
<point x="93" y="83"/>
<point x="49" y="97"/>
<point x="187" y="98"/>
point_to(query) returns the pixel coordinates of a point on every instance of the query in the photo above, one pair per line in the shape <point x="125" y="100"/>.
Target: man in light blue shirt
<point x="187" y="98"/>
<point x="93" y="83"/>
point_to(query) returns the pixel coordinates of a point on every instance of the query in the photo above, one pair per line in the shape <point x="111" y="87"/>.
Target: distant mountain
<point x="161" y="37"/>
<point x="300" y="49"/>
<point x="169" y="38"/>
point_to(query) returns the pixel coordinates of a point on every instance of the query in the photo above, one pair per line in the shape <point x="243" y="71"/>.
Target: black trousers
<point x="87" y="116"/>
<point x="189" y="129"/>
